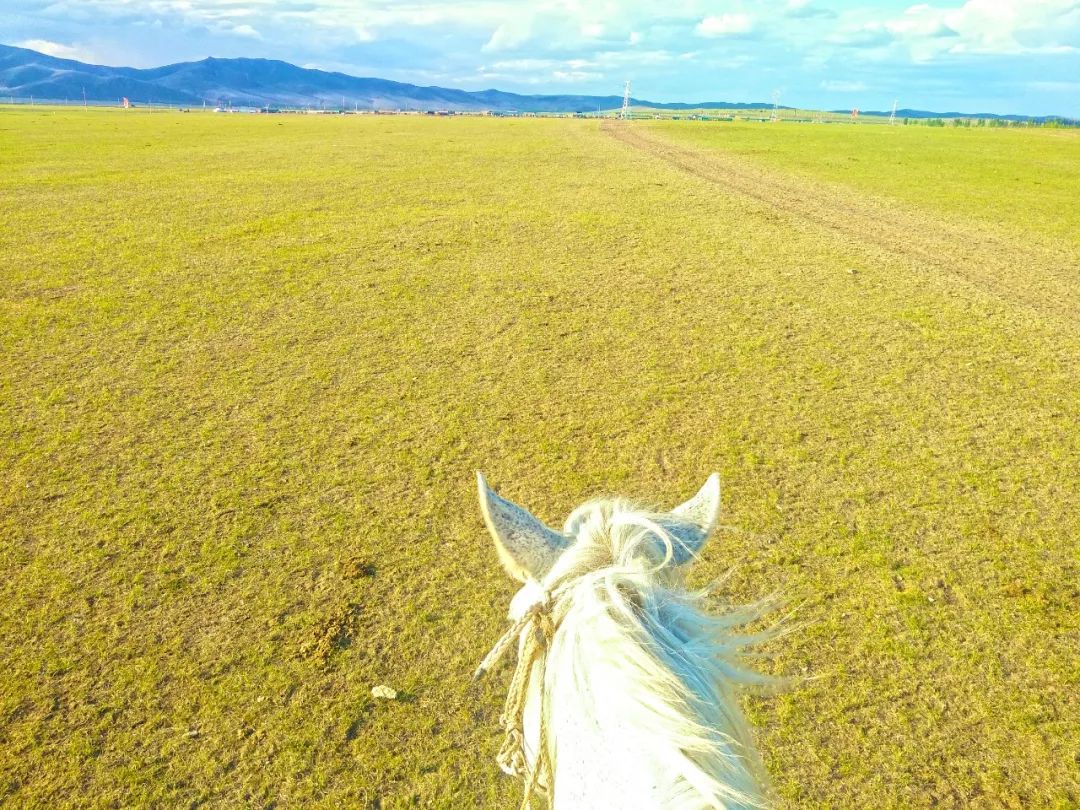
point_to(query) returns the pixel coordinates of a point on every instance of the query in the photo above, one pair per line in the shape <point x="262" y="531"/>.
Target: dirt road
<point x="1041" y="277"/>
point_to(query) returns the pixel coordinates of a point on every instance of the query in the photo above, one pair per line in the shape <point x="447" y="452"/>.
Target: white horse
<point x="624" y="693"/>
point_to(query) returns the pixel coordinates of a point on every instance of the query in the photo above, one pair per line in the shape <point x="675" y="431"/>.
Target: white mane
<point x="638" y="667"/>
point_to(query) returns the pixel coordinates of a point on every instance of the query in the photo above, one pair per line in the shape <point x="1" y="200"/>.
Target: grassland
<point x="1017" y="180"/>
<point x="251" y="362"/>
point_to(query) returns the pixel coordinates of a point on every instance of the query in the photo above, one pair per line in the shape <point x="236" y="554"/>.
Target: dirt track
<point x="1042" y="277"/>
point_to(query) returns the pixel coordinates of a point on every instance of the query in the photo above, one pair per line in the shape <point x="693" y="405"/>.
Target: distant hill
<point x="261" y="82"/>
<point x="269" y="82"/>
<point x="908" y="113"/>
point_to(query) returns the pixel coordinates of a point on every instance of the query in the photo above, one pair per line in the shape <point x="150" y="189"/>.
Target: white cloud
<point x="574" y="76"/>
<point x="636" y="38"/>
<point x="920" y="20"/>
<point x="1055" y="87"/>
<point x="868" y="35"/>
<point x="724" y="25"/>
<point x="838" y="86"/>
<point x="802" y="9"/>
<point x="244" y="30"/>
<point x="524" y="65"/>
<point x="57" y="49"/>
<point x="509" y="35"/>
<point x="541" y="71"/>
<point x="603" y="60"/>
<point x="1000" y="27"/>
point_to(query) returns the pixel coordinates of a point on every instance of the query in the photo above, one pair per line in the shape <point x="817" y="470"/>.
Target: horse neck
<point x="640" y="712"/>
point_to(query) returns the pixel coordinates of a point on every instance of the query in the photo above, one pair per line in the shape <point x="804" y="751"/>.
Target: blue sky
<point x="1019" y="56"/>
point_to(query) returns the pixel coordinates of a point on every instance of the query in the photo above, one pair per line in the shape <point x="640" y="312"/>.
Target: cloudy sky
<point x="1020" y="56"/>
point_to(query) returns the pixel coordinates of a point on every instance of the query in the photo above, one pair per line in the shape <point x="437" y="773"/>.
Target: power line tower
<point x="892" y="117"/>
<point x="775" y="105"/>
<point x="624" y="113"/>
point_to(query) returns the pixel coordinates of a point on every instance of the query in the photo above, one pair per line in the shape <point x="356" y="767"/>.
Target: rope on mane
<point x="535" y="628"/>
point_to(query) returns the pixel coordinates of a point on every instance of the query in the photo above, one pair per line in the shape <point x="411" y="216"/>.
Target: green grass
<point x="1018" y="180"/>
<point x="250" y="364"/>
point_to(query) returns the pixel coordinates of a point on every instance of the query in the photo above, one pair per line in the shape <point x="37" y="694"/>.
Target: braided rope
<point x="535" y="628"/>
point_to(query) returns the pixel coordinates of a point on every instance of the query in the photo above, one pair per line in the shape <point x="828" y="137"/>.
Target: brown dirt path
<point x="1043" y="278"/>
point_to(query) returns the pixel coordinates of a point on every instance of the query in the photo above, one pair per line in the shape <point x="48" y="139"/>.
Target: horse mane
<point x="665" y="664"/>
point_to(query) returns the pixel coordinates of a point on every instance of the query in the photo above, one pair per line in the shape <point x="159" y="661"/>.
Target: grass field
<point x="1017" y="180"/>
<point x="250" y="364"/>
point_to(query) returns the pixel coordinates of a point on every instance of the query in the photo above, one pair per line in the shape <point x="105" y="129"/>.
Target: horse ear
<point x="527" y="548"/>
<point x="698" y="517"/>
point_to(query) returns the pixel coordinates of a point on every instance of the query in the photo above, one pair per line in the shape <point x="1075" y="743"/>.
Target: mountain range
<point x="26" y="73"/>
<point x="262" y="82"/>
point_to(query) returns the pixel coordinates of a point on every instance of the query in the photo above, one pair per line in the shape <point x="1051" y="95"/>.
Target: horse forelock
<point x="632" y="642"/>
